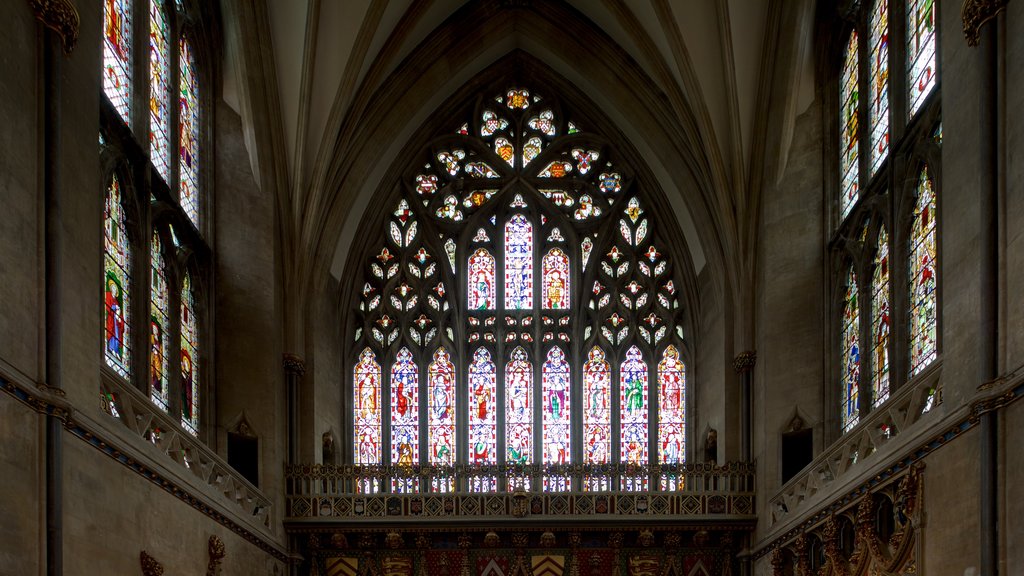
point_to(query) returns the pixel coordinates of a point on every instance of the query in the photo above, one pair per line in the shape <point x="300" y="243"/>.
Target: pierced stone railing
<point x="186" y="453"/>
<point x="902" y="416"/>
<point x="374" y="493"/>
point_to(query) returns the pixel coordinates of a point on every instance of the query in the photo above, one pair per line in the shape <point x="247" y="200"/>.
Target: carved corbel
<point x="61" y="16"/>
<point x="150" y="567"/>
<point x="975" y="13"/>
<point x="217" y="553"/>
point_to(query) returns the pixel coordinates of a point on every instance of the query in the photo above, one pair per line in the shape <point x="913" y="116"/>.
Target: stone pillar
<point x="744" y="366"/>
<point x="294" y="369"/>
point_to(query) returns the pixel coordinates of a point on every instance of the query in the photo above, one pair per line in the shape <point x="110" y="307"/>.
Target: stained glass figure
<point x="116" y="283"/>
<point x="188" y="132"/>
<point x="159" y="337"/>
<point x="555" y="282"/>
<point x="633" y="415"/>
<point x="519" y="408"/>
<point x="159" y="88"/>
<point x="367" y="411"/>
<point x="880" y="322"/>
<point x="597" y="415"/>
<point x="849" y="100"/>
<point x="921" y="73"/>
<point x="117" y="55"/>
<point x="671" y="408"/>
<point x="405" y="410"/>
<point x="483" y="427"/>
<point x="441" y="409"/>
<point x="189" y="358"/>
<point x="518" y="263"/>
<point x="556" y="408"/>
<point x="923" y="304"/>
<point x="879" y="83"/>
<point x="850" y="366"/>
<point x="481" y="289"/>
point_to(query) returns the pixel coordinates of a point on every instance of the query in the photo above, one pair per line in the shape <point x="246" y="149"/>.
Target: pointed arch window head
<point x="159" y="88"/>
<point x="849" y="122"/>
<point x="921" y="62"/>
<point x="190" y="390"/>
<point x="850" y="364"/>
<point x="560" y="254"/>
<point x="879" y="110"/>
<point x="923" y="278"/>
<point x="117" y="55"/>
<point x="159" y="337"/>
<point x="116" y="283"/>
<point x="880" y="322"/>
<point x="188" y="132"/>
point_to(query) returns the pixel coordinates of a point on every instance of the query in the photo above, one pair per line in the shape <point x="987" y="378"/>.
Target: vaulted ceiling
<point x="711" y="61"/>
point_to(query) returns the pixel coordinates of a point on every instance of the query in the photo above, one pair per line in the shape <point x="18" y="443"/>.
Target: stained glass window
<point x="922" y="274"/>
<point x="116" y="283"/>
<point x="519" y="408"/>
<point x="880" y="322"/>
<point x="555" y="283"/>
<point x="850" y="366"/>
<point x="366" y="400"/>
<point x="633" y="395"/>
<point x="597" y="415"/>
<point x="483" y="427"/>
<point x="921" y="73"/>
<point x="159" y="86"/>
<point x="117" y="55"/>
<point x="159" y="337"/>
<point x="405" y="410"/>
<point x="671" y="408"/>
<point x="189" y="358"/>
<point x="879" y="83"/>
<point x="188" y="132"/>
<point x="481" y="288"/>
<point x="849" y="154"/>
<point x="556" y="408"/>
<point x="441" y="409"/>
<point x="519" y="263"/>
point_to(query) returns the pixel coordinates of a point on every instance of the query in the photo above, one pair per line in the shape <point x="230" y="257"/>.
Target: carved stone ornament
<point x="520" y="539"/>
<point x="645" y="539"/>
<point x="150" y="567"/>
<point x="491" y="539"/>
<point x="745" y="361"/>
<point x="294" y="364"/>
<point x="778" y="562"/>
<point x="61" y="16"/>
<point x="394" y="540"/>
<point x="975" y="13"/>
<point x="547" y="540"/>
<point x="217" y="553"/>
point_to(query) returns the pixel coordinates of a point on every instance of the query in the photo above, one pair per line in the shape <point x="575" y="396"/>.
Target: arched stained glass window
<point x="879" y="83"/>
<point x="555" y="286"/>
<point x="922" y="274"/>
<point x="117" y="55"/>
<point x="849" y="122"/>
<point x="481" y="288"/>
<point x="921" y="72"/>
<point x="189" y="358"/>
<point x="188" y="132"/>
<point x="405" y="410"/>
<point x="513" y="190"/>
<point x="671" y="407"/>
<point x="441" y="409"/>
<point x="850" y="365"/>
<point x="519" y="263"/>
<point x="116" y="283"/>
<point x="880" y="322"/>
<point x="367" y="409"/>
<point x="159" y="88"/>
<point x="159" y="337"/>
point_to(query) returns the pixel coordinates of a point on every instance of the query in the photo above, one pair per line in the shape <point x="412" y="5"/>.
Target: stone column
<point x="744" y="366"/>
<point x="294" y="369"/>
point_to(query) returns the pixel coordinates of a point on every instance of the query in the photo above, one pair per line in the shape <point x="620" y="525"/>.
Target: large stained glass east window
<point x="117" y="55"/>
<point x="849" y="123"/>
<point x="189" y="358"/>
<point x="921" y="72"/>
<point x="116" y="283"/>
<point x="922" y="275"/>
<point x="159" y="88"/>
<point x="880" y="322"/>
<point x="188" y="131"/>
<point x="850" y="365"/>
<point x="879" y="110"/>
<point x="554" y="289"/>
<point x="159" y="333"/>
